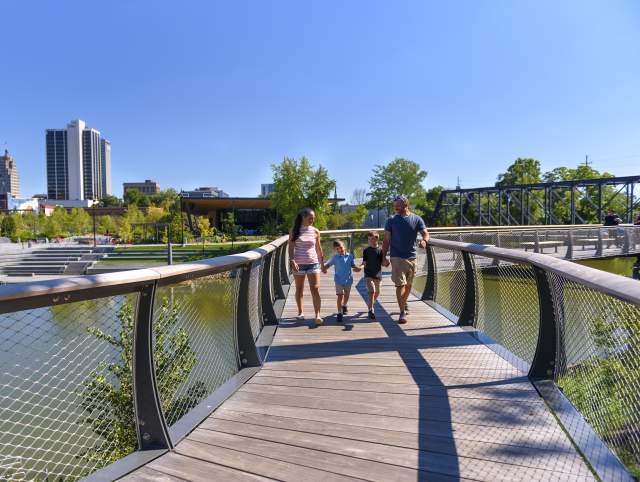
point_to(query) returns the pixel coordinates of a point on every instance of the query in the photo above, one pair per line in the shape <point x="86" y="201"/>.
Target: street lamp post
<point x="95" y="242"/>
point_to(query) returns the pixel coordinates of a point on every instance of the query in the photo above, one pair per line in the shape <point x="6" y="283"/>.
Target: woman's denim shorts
<point x="304" y="269"/>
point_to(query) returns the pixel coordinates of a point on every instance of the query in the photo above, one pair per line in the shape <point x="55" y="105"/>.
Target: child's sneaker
<point x="339" y="318"/>
<point x="372" y="315"/>
<point x="403" y="318"/>
<point x="319" y="321"/>
<point x="345" y="310"/>
<point x="406" y="308"/>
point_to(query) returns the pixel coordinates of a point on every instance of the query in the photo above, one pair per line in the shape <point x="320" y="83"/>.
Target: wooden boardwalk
<point x="373" y="400"/>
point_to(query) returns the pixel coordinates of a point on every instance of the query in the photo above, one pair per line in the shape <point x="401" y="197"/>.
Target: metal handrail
<point x="623" y="288"/>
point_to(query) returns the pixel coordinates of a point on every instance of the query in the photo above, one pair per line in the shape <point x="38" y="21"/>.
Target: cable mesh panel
<point x="600" y="368"/>
<point x="66" y="405"/>
<point x="255" y="298"/>
<point x="451" y="283"/>
<point x="508" y="309"/>
<point x="195" y="346"/>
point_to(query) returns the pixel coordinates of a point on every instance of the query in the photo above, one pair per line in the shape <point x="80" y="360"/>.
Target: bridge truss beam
<point x="563" y="202"/>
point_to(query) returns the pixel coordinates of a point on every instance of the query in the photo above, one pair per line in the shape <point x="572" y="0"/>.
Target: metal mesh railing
<point x="195" y="347"/>
<point x="450" y="280"/>
<point x="594" y="356"/>
<point x="508" y="305"/>
<point x="65" y="399"/>
<point x="600" y="372"/>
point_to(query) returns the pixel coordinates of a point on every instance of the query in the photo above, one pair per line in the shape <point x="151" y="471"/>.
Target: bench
<point x="541" y="244"/>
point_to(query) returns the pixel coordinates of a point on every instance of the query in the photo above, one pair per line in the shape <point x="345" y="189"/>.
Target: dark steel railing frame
<point x="550" y="347"/>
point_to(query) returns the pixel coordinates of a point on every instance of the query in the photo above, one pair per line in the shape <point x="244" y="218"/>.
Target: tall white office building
<point x="78" y="163"/>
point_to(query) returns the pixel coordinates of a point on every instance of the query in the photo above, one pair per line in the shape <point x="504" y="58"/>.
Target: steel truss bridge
<point x="561" y="202"/>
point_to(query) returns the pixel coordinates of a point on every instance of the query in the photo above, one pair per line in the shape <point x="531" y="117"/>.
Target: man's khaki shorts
<point x="373" y="285"/>
<point x="343" y="289"/>
<point x="402" y="271"/>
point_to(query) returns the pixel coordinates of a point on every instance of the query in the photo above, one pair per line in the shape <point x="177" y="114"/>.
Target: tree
<point x="9" y="228"/>
<point x="426" y="206"/>
<point x="107" y="225"/>
<point x="400" y="176"/>
<point x="229" y="225"/>
<point x="110" y="201"/>
<point x="522" y="171"/>
<point x="136" y="198"/>
<point x="204" y="227"/>
<point x="79" y="221"/>
<point x="299" y="185"/>
<point x="107" y="394"/>
<point x="356" y="217"/>
<point x="359" y="196"/>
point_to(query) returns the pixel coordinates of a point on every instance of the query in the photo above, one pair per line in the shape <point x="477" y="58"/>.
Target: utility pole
<point x="586" y="160"/>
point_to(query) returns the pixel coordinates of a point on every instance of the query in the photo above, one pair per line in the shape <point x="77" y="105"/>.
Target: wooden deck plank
<point x="254" y="463"/>
<point x="446" y="458"/>
<point x="318" y="459"/>
<point x="374" y="400"/>
<point x="196" y="470"/>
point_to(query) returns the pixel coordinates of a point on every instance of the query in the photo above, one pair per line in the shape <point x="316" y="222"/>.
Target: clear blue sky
<point x="210" y="93"/>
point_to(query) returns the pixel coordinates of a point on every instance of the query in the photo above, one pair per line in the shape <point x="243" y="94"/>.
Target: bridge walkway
<point x="374" y="400"/>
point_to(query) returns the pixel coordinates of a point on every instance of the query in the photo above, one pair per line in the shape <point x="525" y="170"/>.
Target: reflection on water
<point x="622" y="265"/>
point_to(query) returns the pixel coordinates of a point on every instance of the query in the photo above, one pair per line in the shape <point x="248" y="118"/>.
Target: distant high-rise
<point x="9" y="180"/>
<point x="106" y="167"/>
<point x="78" y="163"/>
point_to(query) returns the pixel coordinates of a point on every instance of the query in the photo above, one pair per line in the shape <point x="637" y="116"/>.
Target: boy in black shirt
<point x="372" y="262"/>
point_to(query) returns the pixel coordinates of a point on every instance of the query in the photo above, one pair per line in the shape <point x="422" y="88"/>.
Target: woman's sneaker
<point x="403" y="318"/>
<point x="372" y="315"/>
<point x="339" y="318"/>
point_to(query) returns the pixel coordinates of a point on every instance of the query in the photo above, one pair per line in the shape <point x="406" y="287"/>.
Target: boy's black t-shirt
<point x="372" y="258"/>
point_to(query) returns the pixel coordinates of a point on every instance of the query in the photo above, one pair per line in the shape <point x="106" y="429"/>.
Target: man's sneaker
<point x="345" y="310"/>
<point x="372" y="315"/>
<point x="339" y="318"/>
<point x="403" y="318"/>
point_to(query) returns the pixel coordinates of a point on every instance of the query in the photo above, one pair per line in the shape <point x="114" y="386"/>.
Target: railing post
<point x="549" y="349"/>
<point x="600" y="242"/>
<point x="276" y="276"/>
<point x="468" y="314"/>
<point x="536" y="242"/>
<point x="151" y="425"/>
<point x="430" y="285"/>
<point x="268" y="313"/>
<point x="284" y="272"/>
<point x="569" y="254"/>
<point x="627" y="241"/>
<point x="246" y="344"/>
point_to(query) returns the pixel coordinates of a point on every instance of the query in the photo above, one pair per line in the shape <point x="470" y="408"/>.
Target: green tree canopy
<point x="400" y="176"/>
<point x="522" y="171"/>
<point x="299" y="185"/>
<point x="110" y="201"/>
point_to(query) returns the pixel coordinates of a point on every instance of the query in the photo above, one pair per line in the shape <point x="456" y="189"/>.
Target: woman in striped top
<point x="306" y="258"/>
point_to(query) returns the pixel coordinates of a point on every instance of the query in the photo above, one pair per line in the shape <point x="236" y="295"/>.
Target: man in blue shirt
<point x="400" y="234"/>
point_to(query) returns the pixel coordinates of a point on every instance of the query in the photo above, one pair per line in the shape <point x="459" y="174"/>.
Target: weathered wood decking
<point x="373" y="400"/>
